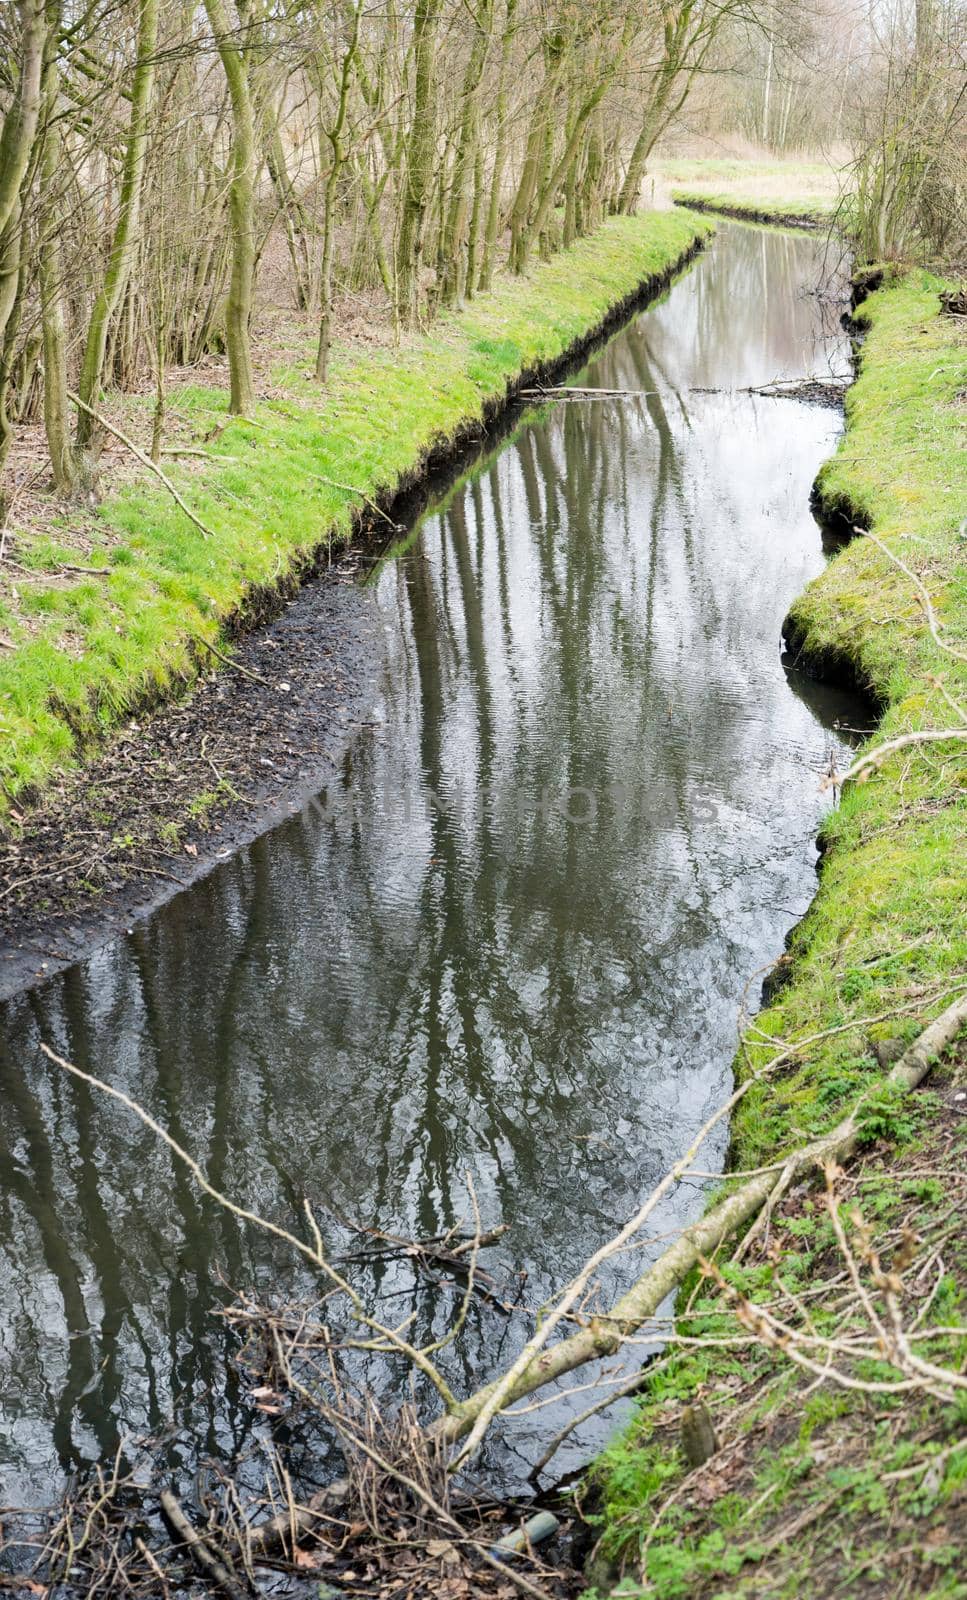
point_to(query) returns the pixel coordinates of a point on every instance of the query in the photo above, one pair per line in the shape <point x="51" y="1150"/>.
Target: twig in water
<point x="566" y="391"/>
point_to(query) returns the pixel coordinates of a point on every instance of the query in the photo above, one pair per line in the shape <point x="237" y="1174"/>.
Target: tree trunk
<point x="16" y="144"/>
<point x="419" y="162"/>
<point x="57" y="419"/>
<point x="586" y="110"/>
<point x="337" y="161"/>
<point x="520" y="231"/>
<point x="125" y="241"/>
<point x="500" y="151"/>
<point x="11" y="305"/>
<point x="473" y="237"/>
<point x="238" y="311"/>
<point x="20" y="122"/>
<point x="294" y="219"/>
<point x="458" y="216"/>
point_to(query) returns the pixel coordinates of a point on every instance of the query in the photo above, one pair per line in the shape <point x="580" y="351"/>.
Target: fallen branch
<point x="246" y="672"/>
<point x="202" y="1552"/>
<point x="352" y="488"/>
<point x="296" y="1521"/>
<point x="189" y="450"/>
<point x="539" y="1364"/>
<point x="605" y="1333"/>
<point x="922" y="594"/>
<point x="567" y="391"/>
<point x="873" y="759"/>
<point x="144" y="459"/>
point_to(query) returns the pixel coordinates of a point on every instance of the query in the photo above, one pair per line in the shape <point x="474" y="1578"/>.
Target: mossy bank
<point x="819" y="1486"/>
<point x="82" y="648"/>
<point x="775" y="213"/>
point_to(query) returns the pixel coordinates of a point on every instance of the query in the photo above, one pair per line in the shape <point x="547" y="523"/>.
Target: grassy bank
<point x="776" y="213"/>
<point x="804" y="192"/>
<point x="820" y="1487"/>
<point x="87" y="637"/>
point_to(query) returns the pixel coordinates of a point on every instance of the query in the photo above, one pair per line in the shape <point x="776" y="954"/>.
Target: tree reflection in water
<point x="392" y="989"/>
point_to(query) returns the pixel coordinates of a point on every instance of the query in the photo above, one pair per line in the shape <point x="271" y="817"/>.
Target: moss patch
<point x="88" y="648"/>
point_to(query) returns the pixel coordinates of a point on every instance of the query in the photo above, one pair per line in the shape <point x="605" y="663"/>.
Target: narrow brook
<point x="514" y="940"/>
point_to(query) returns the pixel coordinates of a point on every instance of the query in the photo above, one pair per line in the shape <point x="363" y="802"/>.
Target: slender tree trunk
<point x="16" y="144"/>
<point x="372" y="195"/>
<point x="336" y="163"/>
<point x="767" y="92"/>
<point x="20" y="122"/>
<point x="500" y="151"/>
<point x="530" y="172"/>
<point x="238" y="312"/>
<point x="458" y="217"/>
<point x="125" y="241"/>
<point x="476" y="214"/>
<point x="294" y="219"/>
<point x="57" y="414"/>
<point x="11" y="305"/>
<point x="590" y="105"/>
<point x="419" y="162"/>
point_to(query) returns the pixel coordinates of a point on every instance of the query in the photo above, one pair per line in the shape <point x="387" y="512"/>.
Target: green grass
<point x="817" y="1488"/>
<point x="758" y="189"/>
<point x="754" y="208"/>
<point x="89" y="650"/>
<point x="886" y="938"/>
<point x="888" y="924"/>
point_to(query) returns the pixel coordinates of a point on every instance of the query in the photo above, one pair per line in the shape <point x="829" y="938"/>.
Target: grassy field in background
<point x="796" y="1502"/>
<point x="768" y="189"/>
<point x="84" y="648"/>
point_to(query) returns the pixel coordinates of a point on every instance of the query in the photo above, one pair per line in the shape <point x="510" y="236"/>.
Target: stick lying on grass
<point x="537" y="1366"/>
<point x="145" y="460"/>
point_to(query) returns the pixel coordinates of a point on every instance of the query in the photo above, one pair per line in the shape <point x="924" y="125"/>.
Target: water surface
<point x="513" y="941"/>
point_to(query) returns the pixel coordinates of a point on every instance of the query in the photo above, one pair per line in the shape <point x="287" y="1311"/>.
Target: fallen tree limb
<point x="566" y="391"/>
<point x="245" y="671"/>
<point x="145" y="460"/>
<point x="922" y="594"/>
<point x="202" y="1553"/>
<point x="871" y="760"/>
<point x="265" y="1537"/>
<point x="604" y="1334"/>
